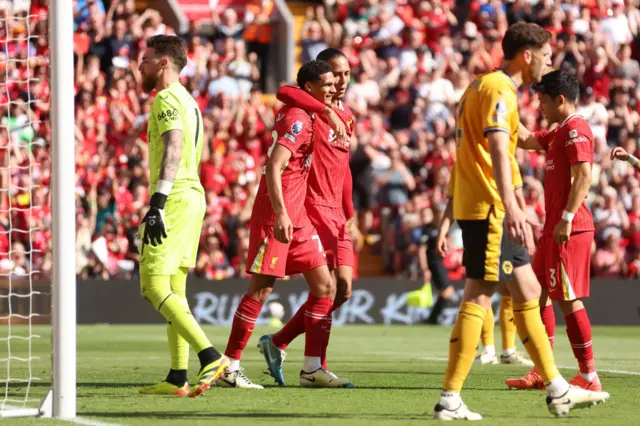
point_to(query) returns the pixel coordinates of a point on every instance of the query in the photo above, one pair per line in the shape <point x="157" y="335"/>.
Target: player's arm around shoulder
<point x="529" y="140"/>
<point x="293" y="129"/>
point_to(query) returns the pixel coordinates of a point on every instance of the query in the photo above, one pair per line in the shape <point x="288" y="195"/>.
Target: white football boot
<point x="322" y="378"/>
<point x="460" y="413"/>
<point x="487" y="358"/>
<point x="575" y="398"/>
<point x="516" y="358"/>
<point x="236" y="379"/>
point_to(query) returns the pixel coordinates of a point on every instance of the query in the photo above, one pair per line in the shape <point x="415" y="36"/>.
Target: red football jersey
<point x="566" y="145"/>
<point x="330" y="161"/>
<point x="293" y="130"/>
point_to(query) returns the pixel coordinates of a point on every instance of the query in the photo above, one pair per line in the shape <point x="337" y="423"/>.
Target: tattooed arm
<point x="172" y="141"/>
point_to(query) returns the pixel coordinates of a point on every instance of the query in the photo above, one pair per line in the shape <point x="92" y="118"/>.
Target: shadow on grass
<point x="183" y="415"/>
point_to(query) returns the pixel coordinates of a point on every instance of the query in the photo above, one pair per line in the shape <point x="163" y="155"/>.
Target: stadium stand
<point x="411" y="61"/>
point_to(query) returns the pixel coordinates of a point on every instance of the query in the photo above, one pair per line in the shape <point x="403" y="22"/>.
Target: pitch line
<point x="89" y="422"/>
<point x="78" y="420"/>
<point x="630" y="373"/>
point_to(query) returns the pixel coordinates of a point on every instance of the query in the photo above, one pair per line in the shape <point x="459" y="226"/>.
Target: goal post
<point x="23" y="301"/>
<point x="63" y="309"/>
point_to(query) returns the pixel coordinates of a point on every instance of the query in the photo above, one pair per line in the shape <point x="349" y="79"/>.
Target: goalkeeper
<point x="171" y="228"/>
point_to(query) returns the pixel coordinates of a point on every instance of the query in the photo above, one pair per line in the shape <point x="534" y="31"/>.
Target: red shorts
<point x="267" y="256"/>
<point x="565" y="270"/>
<point x="332" y="229"/>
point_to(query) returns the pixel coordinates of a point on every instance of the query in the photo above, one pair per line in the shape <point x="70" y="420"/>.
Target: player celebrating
<point x="486" y="208"/>
<point x="329" y="202"/>
<point x="564" y="250"/>
<point x="171" y="228"/>
<point x="283" y="241"/>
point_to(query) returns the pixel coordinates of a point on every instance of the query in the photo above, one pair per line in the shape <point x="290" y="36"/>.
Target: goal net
<point x="29" y="129"/>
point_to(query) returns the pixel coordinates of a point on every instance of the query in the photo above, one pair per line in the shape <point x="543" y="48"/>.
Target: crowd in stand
<point x="411" y="61"/>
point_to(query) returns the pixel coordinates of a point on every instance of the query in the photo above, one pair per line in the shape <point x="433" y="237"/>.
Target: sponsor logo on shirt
<point x="296" y="128"/>
<point x="577" y="139"/>
<point x="573" y="133"/>
<point x="168" y="115"/>
<point x="550" y="165"/>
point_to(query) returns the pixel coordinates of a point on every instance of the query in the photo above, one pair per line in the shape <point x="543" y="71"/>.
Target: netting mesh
<point x="24" y="211"/>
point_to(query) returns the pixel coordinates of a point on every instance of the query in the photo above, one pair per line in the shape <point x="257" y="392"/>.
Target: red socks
<point x="295" y="327"/>
<point x="243" y="324"/>
<point x="292" y="329"/>
<point x="579" y="332"/>
<point x="317" y="320"/>
<point x="549" y="321"/>
<point x="323" y="357"/>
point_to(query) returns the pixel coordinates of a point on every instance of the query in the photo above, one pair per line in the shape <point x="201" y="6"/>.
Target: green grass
<point x="395" y="384"/>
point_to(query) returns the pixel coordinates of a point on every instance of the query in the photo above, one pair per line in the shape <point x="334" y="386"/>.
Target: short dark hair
<point x="329" y="54"/>
<point x="558" y="83"/>
<point x="171" y="46"/>
<point x="523" y="35"/>
<point x="312" y="71"/>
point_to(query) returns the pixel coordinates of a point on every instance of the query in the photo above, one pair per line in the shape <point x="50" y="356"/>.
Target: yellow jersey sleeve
<point x="498" y="105"/>
<point x="515" y="173"/>
<point x="167" y="112"/>
<point x="452" y="182"/>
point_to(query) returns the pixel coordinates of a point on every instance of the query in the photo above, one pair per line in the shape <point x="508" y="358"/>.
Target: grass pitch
<point x="397" y="372"/>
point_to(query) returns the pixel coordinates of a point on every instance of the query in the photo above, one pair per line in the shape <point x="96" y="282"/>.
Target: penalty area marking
<point x="630" y="373"/>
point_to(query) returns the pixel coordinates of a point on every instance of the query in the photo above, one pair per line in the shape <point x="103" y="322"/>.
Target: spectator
<point x="608" y="261"/>
<point x="411" y="62"/>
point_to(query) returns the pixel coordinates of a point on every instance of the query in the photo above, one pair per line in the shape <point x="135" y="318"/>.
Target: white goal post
<point x="63" y="209"/>
<point x="60" y="401"/>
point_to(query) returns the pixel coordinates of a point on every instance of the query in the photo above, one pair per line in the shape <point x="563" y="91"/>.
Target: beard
<point x="148" y="84"/>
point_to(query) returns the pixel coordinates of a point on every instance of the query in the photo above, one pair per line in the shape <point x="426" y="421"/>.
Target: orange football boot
<point x="531" y="380"/>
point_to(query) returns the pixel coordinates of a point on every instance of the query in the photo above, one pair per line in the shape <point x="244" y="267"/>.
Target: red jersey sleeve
<point x="579" y="143"/>
<point x="347" y="195"/>
<point x="293" y="129"/>
<point x="293" y="96"/>
<point x="544" y="138"/>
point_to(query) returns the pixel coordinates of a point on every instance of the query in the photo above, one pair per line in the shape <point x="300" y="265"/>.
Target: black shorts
<point x="489" y="254"/>
<point x="439" y="276"/>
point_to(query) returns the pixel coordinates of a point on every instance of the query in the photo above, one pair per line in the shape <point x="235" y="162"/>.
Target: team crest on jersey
<point x="507" y="267"/>
<point x="274" y="260"/>
<point x="296" y="128"/>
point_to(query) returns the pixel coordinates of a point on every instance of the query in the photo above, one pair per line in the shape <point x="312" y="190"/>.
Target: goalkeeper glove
<point x="154" y="228"/>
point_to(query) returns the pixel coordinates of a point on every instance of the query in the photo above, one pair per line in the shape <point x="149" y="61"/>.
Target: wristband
<point x="633" y="160"/>
<point x="158" y="200"/>
<point x="164" y="187"/>
<point x="568" y="216"/>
